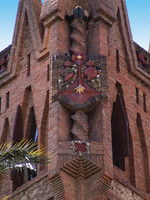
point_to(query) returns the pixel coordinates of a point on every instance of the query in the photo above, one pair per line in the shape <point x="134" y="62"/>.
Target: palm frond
<point x="4" y="198"/>
<point x="22" y="154"/>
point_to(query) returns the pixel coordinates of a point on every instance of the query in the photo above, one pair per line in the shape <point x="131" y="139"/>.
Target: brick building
<point x="74" y="75"/>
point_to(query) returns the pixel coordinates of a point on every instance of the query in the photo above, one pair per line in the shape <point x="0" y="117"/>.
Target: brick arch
<point x="120" y="130"/>
<point x="131" y="166"/>
<point x="57" y="187"/>
<point x="120" y="125"/>
<point x="5" y="133"/>
<point x="144" y="151"/>
<point x="31" y="125"/>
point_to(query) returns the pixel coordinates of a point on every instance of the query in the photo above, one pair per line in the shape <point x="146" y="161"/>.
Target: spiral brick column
<point x="79" y="21"/>
<point x="80" y="128"/>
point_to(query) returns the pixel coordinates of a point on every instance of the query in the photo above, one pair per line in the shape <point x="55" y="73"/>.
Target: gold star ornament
<point x="79" y="89"/>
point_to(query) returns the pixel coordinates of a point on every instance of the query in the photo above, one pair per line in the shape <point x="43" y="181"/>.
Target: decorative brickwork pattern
<point x="104" y="187"/>
<point x="79" y="33"/>
<point x="81" y="167"/>
<point x="80" y="128"/>
<point x="57" y="186"/>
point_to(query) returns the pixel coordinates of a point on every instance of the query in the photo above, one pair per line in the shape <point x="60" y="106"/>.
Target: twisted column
<point x="80" y="128"/>
<point x="79" y="20"/>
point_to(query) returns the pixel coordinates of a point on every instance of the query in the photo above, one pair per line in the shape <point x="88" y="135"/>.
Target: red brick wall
<point x="107" y="32"/>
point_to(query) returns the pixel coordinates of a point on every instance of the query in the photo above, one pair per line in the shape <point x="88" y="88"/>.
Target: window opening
<point x="28" y="64"/>
<point x="120" y="133"/>
<point x="47" y="72"/>
<point x="137" y="96"/>
<point x="32" y="135"/>
<point x="7" y="100"/>
<point x="144" y="102"/>
<point x="117" y="60"/>
<point x="17" y="176"/>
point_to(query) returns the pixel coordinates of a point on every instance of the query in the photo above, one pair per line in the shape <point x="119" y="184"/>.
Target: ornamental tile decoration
<point x="80" y="148"/>
<point x="79" y="77"/>
<point x="79" y="80"/>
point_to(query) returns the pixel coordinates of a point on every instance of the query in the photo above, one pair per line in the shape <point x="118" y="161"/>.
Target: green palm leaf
<point x="22" y="154"/>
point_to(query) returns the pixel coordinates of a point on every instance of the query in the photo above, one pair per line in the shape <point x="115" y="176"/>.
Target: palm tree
<point x="22" y="155"/>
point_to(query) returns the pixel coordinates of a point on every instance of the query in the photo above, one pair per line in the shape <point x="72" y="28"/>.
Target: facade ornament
<point x="79" y="76"/>
<point x="79" y="21"/>
<point x="80" y="128"/>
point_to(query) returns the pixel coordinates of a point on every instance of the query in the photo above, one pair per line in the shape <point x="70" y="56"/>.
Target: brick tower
<point x="74" y="76"/>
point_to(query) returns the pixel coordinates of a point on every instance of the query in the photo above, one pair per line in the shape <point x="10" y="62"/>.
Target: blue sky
<point x="138" y="11"/>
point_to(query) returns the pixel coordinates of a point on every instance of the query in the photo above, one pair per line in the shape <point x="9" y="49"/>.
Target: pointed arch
<point x="17" y="136"/>
<point x="120" y="133"/>
<point x="26" y="38"/>
<point x="32" y="8"/>
<point x="31" y="133"/>
<point x="122" y="145"/>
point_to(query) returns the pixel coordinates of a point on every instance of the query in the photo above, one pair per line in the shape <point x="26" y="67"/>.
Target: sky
<point x="138" y="12"/>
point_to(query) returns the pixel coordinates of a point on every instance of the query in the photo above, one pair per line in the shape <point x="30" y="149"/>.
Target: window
<point x="28" y="64"/>
<point x="47" y="72"/>
<point x="144" y="102"/>
<point x="137" y="96"/>
<point x="32" y="135"/>
<point x="20" y="177"/>
<point x="117" y="61"/>
<point x="120" y="133"/>
<point x="17" y="176"/>
<point x="7" y="100"/>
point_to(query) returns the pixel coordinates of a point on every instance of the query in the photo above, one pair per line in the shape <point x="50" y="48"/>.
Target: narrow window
<point x="137" y="96"/>
<point x="32" y="135"/>
<point x="117" y="61"/>
<point x="144" y="102"/>
<point x="47" y="72"/>
<point x="7" y="100"/>
<point x="120" y="133"/>
<point x="28" y="64"/>
<point x="17" y="176"/>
